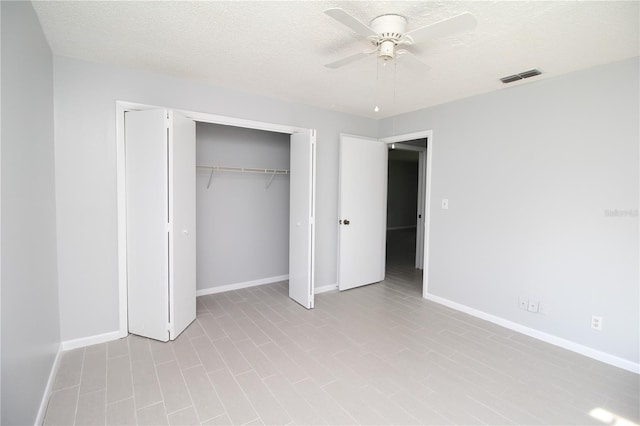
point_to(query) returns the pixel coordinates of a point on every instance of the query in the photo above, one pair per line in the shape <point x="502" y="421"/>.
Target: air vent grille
<point x="511" y="78"/>
<point x="520" y="76"/>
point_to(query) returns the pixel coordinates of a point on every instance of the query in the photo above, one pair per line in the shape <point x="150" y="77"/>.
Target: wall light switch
<point x="445" y="204"/>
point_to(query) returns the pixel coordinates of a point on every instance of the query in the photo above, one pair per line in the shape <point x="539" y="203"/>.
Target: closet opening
<point x="242" y="207"/>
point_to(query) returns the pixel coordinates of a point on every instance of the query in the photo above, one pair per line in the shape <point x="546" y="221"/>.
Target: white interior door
<point x="182" y="217"/>
<point x="362" y="211"/>
<point x="301" y="217"/>
<point x="147" y="212"/>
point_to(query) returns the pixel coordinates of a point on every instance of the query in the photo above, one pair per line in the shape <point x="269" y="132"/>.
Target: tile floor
<point x="379" y="354"/>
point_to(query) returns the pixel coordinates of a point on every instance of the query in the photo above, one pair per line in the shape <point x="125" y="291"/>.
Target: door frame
<point x="425" y="178"/>
<point x="121" y="108"/>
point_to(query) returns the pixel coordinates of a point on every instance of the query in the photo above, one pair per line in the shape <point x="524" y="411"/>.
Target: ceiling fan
<point x="388" y="32"/>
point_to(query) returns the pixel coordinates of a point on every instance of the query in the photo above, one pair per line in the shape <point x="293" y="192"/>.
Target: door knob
<point x="345" y="222"/>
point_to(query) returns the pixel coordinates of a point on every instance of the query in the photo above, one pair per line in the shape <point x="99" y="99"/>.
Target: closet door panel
<point x="301" y="218"/>
<point x="182" y="198"/>
<point x="147" y="218"/>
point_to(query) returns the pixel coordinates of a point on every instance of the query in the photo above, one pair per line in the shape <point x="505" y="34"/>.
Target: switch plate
<point x="596" y="322"/>
<point x="445" y="204"/>
<point x="543" y="308"/>
<point x="533" y="306"/>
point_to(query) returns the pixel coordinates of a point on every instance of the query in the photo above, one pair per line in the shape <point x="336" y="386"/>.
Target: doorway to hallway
<point x="404" y="214"/>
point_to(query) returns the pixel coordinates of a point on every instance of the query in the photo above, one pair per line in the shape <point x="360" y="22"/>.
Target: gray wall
<point x="30" y="319"/>
<point x="85" y="95"/>
<point x="242" y="226"/>
<point x="530" y="172"/>
<point x="402" y="189"/>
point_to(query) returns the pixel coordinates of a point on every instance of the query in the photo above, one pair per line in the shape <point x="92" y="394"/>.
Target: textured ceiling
<point x="279" y="49"/>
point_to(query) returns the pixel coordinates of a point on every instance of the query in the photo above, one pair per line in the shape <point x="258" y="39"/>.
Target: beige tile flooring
<point x="379" y="354"/>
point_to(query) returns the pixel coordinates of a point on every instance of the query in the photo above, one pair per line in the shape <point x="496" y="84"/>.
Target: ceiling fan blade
<point x="344" y="18"/>
<point x="456" y="24"/>
<point x="404" y="53"/>
<point x="348" y="60"/>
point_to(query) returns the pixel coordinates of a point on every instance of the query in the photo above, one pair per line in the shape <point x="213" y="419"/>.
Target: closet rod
<point x="244" y="169"/>
<point x="272" y="172"/>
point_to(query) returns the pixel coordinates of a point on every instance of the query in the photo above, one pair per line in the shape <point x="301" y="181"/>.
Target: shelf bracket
<point x="210" y="177"/>
<point x="273" y="175"/>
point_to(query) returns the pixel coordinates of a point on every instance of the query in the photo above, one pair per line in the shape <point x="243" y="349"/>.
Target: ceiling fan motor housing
<point x="390" y="29"/>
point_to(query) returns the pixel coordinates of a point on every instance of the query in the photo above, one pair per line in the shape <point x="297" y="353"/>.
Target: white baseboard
<point x="397" y="228"/>
<point x="325" y="288"/>
<point x="47" y="390"/>
<point x="92" y="340"/>
<point x="238" y="286"/>
<point x="536" y="334"/>
<point x="65" y="346"/>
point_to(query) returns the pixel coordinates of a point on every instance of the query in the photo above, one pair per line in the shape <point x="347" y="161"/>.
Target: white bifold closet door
<point x="362" y="211"/>
<point x="302" y="217"/>
<point x="160" y="208"/>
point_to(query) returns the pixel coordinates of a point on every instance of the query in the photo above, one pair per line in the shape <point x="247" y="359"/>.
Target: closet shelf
<point x="243" y="169"/>
<point x="272" y="172"/>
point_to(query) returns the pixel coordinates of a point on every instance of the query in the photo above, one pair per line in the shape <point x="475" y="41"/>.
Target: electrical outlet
<point x="533" y="306"/>
<point x="523" y="303"/>
<point x="596" y="322"/>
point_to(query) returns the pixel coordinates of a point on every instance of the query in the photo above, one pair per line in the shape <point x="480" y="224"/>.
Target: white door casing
<point x="362" y="211"/>
<point x="302" y="217"/>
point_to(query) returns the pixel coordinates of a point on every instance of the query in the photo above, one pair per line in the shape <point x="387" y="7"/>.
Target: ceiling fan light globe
<point x="386" y="50"/>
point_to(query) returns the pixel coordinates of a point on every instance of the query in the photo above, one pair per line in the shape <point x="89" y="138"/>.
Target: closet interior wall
<point x="242" y="218"/>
